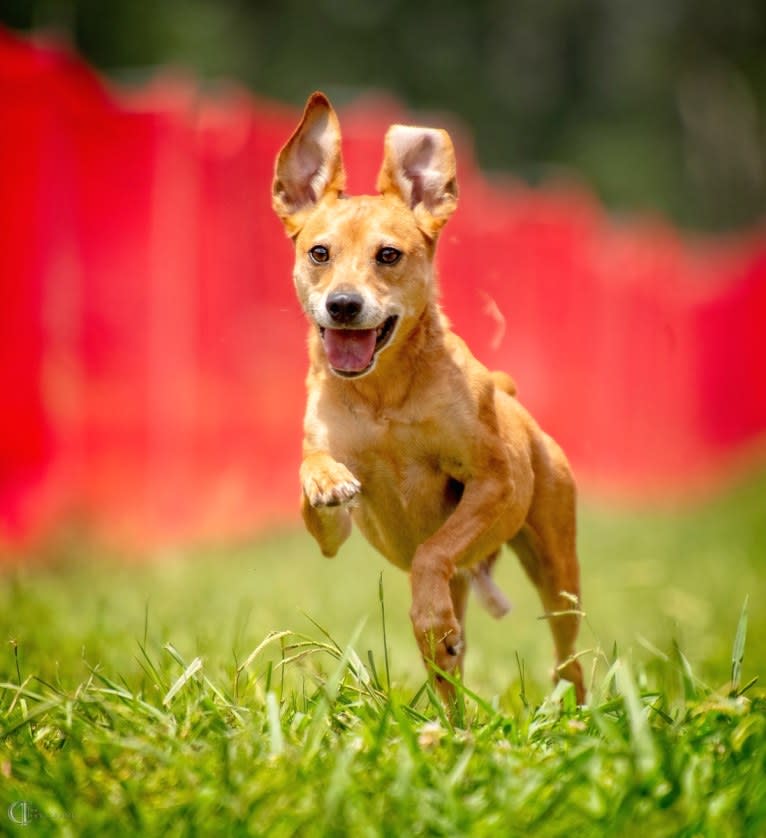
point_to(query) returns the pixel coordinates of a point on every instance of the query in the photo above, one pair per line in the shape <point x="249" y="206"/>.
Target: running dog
<point x="406" y="434"/>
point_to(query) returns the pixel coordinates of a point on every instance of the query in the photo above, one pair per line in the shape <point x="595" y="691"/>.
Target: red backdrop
<point x="152" y="353"/>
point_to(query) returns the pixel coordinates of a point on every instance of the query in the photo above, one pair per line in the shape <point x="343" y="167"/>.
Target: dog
<point x="406" y="434"/>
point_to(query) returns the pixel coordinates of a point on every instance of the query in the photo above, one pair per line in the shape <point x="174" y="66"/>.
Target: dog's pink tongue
<point x="349" y="350"/>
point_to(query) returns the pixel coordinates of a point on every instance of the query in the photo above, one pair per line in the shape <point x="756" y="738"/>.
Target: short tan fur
<point x="406" y="434"/>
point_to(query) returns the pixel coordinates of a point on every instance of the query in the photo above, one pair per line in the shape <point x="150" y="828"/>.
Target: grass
<point x="261" y="690"/>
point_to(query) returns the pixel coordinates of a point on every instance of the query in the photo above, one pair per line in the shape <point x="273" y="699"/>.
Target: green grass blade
<point x="382" y="601"/>
<point x="276" y="739"/>
<point x="738" y="650"/>
<point x="270" y="638"/>
<point x="641" y="735"/>
<point x="319" y="724"/>
<point x="191" y="670"/>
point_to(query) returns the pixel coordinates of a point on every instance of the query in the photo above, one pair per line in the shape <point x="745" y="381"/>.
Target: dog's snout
<point x="344" y="306"/>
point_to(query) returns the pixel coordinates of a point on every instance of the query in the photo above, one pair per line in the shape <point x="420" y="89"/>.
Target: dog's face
<point x="363" y="276"/>
<point x="363" y="265"/>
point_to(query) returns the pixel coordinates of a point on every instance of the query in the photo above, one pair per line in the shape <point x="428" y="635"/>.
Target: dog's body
<point x="406" y="433"/>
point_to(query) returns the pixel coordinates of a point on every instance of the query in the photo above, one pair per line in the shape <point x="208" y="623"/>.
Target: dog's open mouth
<point x="352" y="352"/>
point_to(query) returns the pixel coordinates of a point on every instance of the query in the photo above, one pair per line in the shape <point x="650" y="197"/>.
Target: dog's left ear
<point x="309" y="166"/>
<point x="419" y="167"/>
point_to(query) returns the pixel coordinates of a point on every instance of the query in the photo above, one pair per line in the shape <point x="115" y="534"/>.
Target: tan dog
<point x="406" y="433"/>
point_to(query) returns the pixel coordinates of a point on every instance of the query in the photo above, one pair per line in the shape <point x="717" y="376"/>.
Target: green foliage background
<point x="658" y="105"/>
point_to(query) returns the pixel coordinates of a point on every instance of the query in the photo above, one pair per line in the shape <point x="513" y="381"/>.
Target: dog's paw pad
<point x="340" y="494"/>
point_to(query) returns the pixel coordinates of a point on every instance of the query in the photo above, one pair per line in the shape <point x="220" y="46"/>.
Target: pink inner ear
<point x="418" y="162"/>
<point x="415" y="165"/>
<point x="416" y="179"/>
<point x="310" y="163"/>
<point x="307" y="164"/>
<point x="419" y="155"/>
<point x="416" y="195"/>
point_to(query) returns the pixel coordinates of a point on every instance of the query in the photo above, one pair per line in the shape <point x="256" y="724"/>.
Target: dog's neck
<point x="413" y="356"/>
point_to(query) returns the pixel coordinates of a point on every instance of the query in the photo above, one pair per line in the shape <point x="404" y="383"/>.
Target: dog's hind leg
<point x="556" y="580"/>
<point x="547" y="551"/>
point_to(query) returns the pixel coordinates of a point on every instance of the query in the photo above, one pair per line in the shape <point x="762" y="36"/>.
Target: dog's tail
<point x="490" y="596"/>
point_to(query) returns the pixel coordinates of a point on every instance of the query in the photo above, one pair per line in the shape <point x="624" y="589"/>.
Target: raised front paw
<point x="329" y="483"/>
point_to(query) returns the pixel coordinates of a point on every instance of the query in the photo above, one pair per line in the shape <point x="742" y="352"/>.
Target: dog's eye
<point x="319" y="254"/>
<point x="388" y="256"/>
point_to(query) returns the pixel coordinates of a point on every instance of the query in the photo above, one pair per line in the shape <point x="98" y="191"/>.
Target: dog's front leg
<point x="474" y="530"/>
<point x="328" y="490"/>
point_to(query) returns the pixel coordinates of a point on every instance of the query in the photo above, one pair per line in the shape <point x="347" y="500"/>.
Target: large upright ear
<point x="309" y="166"/>
<point x="419" y="167"/>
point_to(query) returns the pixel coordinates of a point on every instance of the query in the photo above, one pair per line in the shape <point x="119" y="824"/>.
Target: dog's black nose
<point x="344" y="307"/>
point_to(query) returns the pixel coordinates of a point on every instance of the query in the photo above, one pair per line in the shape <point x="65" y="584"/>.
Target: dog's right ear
<point x="309" y="166"/>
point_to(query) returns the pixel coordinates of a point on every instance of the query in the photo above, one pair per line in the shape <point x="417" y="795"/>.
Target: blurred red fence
<point x="152" y="353"/>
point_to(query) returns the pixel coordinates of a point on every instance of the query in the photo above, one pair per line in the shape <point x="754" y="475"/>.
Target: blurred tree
<point x="658" y="105"/>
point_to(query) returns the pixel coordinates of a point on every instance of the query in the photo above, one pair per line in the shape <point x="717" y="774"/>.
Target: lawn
<point x="261" y="689"/>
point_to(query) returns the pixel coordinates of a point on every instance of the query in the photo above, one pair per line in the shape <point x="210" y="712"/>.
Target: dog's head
<point x="363" y="265"/>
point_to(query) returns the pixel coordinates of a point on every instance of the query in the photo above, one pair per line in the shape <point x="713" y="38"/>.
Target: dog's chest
<point x="406" y="491"/>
